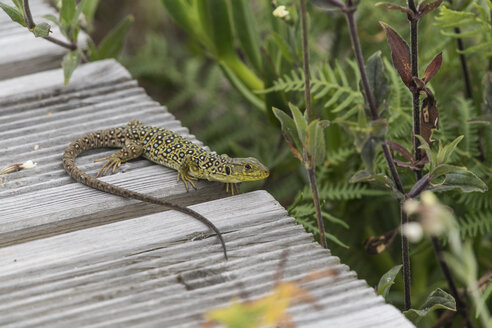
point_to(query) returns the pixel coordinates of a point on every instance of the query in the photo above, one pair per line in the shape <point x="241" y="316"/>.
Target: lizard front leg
<point x="130" y="151"/>
<point x="184" y="169"/>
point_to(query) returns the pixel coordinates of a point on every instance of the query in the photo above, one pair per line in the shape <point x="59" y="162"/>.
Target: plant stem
<point x="468" y="89"/>
<point x="349" y="14"/>
<point x="405" y="257"/>
<point x="31" y="25"/>
<point x="464" y="66"/>
<point x="28" y="15"/>
<point x="414" y="58"/>
<point x="309" y="165"/>
<point x="349" y="11"/>
<point x="460" y="304"/>
<point x="305" y="54"/>
<point x="317" y="206"/>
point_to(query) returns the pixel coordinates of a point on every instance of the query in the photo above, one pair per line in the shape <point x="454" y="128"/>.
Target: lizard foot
<point x="232" y="187"/>
<point x="112" y="162"/>
<point x="186" y="178"/>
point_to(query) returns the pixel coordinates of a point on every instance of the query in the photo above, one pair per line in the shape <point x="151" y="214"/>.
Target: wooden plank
<point x="73" y="256"/>
<point x="147" y="271"/>
<point x="39" y="117"/>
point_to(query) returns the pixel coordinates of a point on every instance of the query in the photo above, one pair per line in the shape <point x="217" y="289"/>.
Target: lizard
<point x="166" y="148"/>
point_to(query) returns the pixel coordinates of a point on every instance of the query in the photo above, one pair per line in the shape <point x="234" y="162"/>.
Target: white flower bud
<point x="413" y="231"/>
<point x="281" y="12"/>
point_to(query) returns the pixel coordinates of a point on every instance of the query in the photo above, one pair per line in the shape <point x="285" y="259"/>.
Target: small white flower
<point x="281" y="12"/>
<point x="428" y="198"/>
<point x="29" y="164"/>
<point x="411" y="206"/>
<point x="413" y="231"/>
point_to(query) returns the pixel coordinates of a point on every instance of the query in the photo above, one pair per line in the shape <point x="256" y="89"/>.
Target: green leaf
<point x="368" y="154"/>
<point x="316" y="142"/>
<point x="483" y="299"/>
<point x="387" y="280"/>
<point x="438" y="299"/>
<point x="301" y="123"/>
<point x="288" y="127"/>
<point x="282" y="46"/>
<point x="443" y="169"/>
<point x="41" y="30"/>
<point x="220" y="26"/>
<point x="19" y="4"/>
<point x="465" y="180"/>
<point x="184" y="15"/>
<point x="67" y="11"/>
<point x="69" y="63"/>
<point x="379" y="179"/>
<point x="78" y="11"/>
<point x="89" y="10"/>
<point x="430" y="154"/>
<point x="111" y="45"/>
<point x="445" y="153"/>
<point x="377" y="79"/>
<point x="241" y="87"/>
<point x="245" y="27"/>
<point x="52" y="18"/>
<point x="92" y="49"/>
<point x="14" y="14"/>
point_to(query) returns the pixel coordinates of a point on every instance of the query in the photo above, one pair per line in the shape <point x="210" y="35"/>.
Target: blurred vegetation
<point x="177" y="69"/>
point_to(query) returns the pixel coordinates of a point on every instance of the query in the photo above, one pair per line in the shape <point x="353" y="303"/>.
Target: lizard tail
<point x="80" y="145"/>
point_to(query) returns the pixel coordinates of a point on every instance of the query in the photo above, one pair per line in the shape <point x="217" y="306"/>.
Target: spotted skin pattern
<point x="165" y="148"/>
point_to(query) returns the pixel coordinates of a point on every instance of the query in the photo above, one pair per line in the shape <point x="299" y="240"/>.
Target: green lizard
<point x="165" y="148"/>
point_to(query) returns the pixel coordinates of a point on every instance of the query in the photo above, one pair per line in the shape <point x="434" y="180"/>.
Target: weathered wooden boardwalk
<point x="71" y="256"/>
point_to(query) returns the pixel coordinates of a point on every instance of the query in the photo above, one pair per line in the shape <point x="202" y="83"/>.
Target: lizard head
<point x="236" y="170"/>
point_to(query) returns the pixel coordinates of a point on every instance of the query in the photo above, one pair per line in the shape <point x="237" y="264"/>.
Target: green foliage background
<point x="179" y="73"/>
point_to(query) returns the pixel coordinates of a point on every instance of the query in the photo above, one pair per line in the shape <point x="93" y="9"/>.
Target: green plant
<point x="70" y="22"/>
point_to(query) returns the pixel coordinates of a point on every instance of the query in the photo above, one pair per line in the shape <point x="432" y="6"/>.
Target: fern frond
<point x="474" y="22"/>
<point x="475" y="224"/>
<point x="329" y="85"/>
<point x="339" y="156"/>
<point x="345" y="191"/>
<point x="310" y="226"/>
<point x="470" y="132"/>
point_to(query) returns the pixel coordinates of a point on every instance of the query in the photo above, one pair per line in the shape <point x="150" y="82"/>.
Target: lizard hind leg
<point x="130" y="151"/>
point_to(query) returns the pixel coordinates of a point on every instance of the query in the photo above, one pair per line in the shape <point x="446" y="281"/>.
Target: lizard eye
<point x="247" y="166"/>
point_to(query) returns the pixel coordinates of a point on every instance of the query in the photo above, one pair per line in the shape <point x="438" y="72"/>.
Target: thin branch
<point x="28" y="15"/>
<point x="405" y="257"/>
<point x="464" y="66"/>
<point x="349" y="14"/>
<point x="468" y="89"/>
<point x="31" y="25"/>
<point x="414" y="57"/>
<point x="305" y="53"/>
<point x="349" y="11"/>
<point x="69" y="46"/>
<point x="307" y="95"/>
<point x="317" y="206"/>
